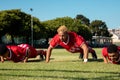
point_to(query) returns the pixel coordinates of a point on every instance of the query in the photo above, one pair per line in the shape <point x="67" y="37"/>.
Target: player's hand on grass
<point x="2" y="61"/>
<point x="85" y="60"/>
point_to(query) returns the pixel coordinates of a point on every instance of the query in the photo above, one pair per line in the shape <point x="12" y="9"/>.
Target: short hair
<point x="62" y="28"/>
<point x="112" y="48"/>
<point x="3" y="49"/>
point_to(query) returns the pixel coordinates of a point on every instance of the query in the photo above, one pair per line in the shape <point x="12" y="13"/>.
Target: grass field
<point x="63" y="66"/>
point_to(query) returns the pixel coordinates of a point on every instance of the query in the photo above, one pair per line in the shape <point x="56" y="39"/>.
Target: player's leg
<point x="93" y="53"/>
<point x="81" y="56"/>
<point x="41" y="57"/>
<point x="42" y="54"/>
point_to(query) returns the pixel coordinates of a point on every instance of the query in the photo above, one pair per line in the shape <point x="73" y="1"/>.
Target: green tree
<point x="17" y="23"/>
<point x="71" y="24"/>
<point x="84" y="20"/>
<point x="39" y="29"/>
<point x="99" y="28"/>
<point x="52" y="25"/>
<point x="10" y="23"/>
<point x="81" y="29"/>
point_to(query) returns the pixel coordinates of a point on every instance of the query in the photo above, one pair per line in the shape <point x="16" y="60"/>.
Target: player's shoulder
<point x="104" y="48"/>
<point x="71" y="32"/>
<point x="14" y="48"/>
<point x="23" y="44"/>
<point x="56" y="37"/>
<point x="119" y="48"/>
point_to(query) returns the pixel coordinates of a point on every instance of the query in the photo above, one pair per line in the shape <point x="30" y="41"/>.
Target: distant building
<point x="116" y="35"/>
<point x="101" y="41"/>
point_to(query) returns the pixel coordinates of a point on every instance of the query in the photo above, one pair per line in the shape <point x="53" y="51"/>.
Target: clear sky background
<point x="106" y="10"/>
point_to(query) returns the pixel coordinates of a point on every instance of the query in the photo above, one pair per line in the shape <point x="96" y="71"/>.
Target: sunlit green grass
<point x="62" y="66"/>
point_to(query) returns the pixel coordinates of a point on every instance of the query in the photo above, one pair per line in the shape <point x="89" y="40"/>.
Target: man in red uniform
<point x="19" y="53"/>
<point x="68" y="40"/>
<point x="111" y="54"/>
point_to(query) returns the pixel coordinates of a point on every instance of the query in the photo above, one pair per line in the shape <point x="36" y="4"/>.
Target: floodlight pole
<point x="31" y="27"/>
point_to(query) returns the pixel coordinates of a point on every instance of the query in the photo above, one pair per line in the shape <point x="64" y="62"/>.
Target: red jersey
<point x="73" y="44"/>
<point x="105" y="54"/>
<point x="18" y="52"/>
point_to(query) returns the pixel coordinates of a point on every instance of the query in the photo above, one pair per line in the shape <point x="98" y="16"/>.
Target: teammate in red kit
<point x="111" y="54"/>
<point x="19" y="53"/>
<point x="68" y="40"/>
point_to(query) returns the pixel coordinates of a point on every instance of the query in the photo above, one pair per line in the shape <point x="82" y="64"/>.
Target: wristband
<point x="85" y="60"/>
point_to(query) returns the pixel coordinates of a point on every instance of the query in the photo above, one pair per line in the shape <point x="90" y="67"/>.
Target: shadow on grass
<point x="37" y="60"/>
<point x="98" y="60"/>
<point x="112" y="76"/>
<point x="89" y="60"/>
<point x="62" y="77"/>
<point x="77" y="71"/>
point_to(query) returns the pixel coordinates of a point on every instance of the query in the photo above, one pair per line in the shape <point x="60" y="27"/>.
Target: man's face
<point x="63" y="36"/>
<point x="113" y="56"/>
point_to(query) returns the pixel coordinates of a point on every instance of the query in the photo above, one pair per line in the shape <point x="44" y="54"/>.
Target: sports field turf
<point x="63" y="66"/>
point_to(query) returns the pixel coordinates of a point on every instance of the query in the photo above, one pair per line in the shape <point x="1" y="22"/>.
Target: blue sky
<point x="105" y="10"/>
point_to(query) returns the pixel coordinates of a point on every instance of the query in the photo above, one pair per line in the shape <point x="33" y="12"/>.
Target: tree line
<point x="16" y="24"/>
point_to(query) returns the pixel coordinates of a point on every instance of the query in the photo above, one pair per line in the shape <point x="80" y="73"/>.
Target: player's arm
<point x="85" y="51"/>
<point x="104" y="55"/>
<point x="27" y="55"/>
<point x="105" y="59"/>
<point x="25" y="60"/>
<point x="2" y="59"/>
<point x="49" y="50"/>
